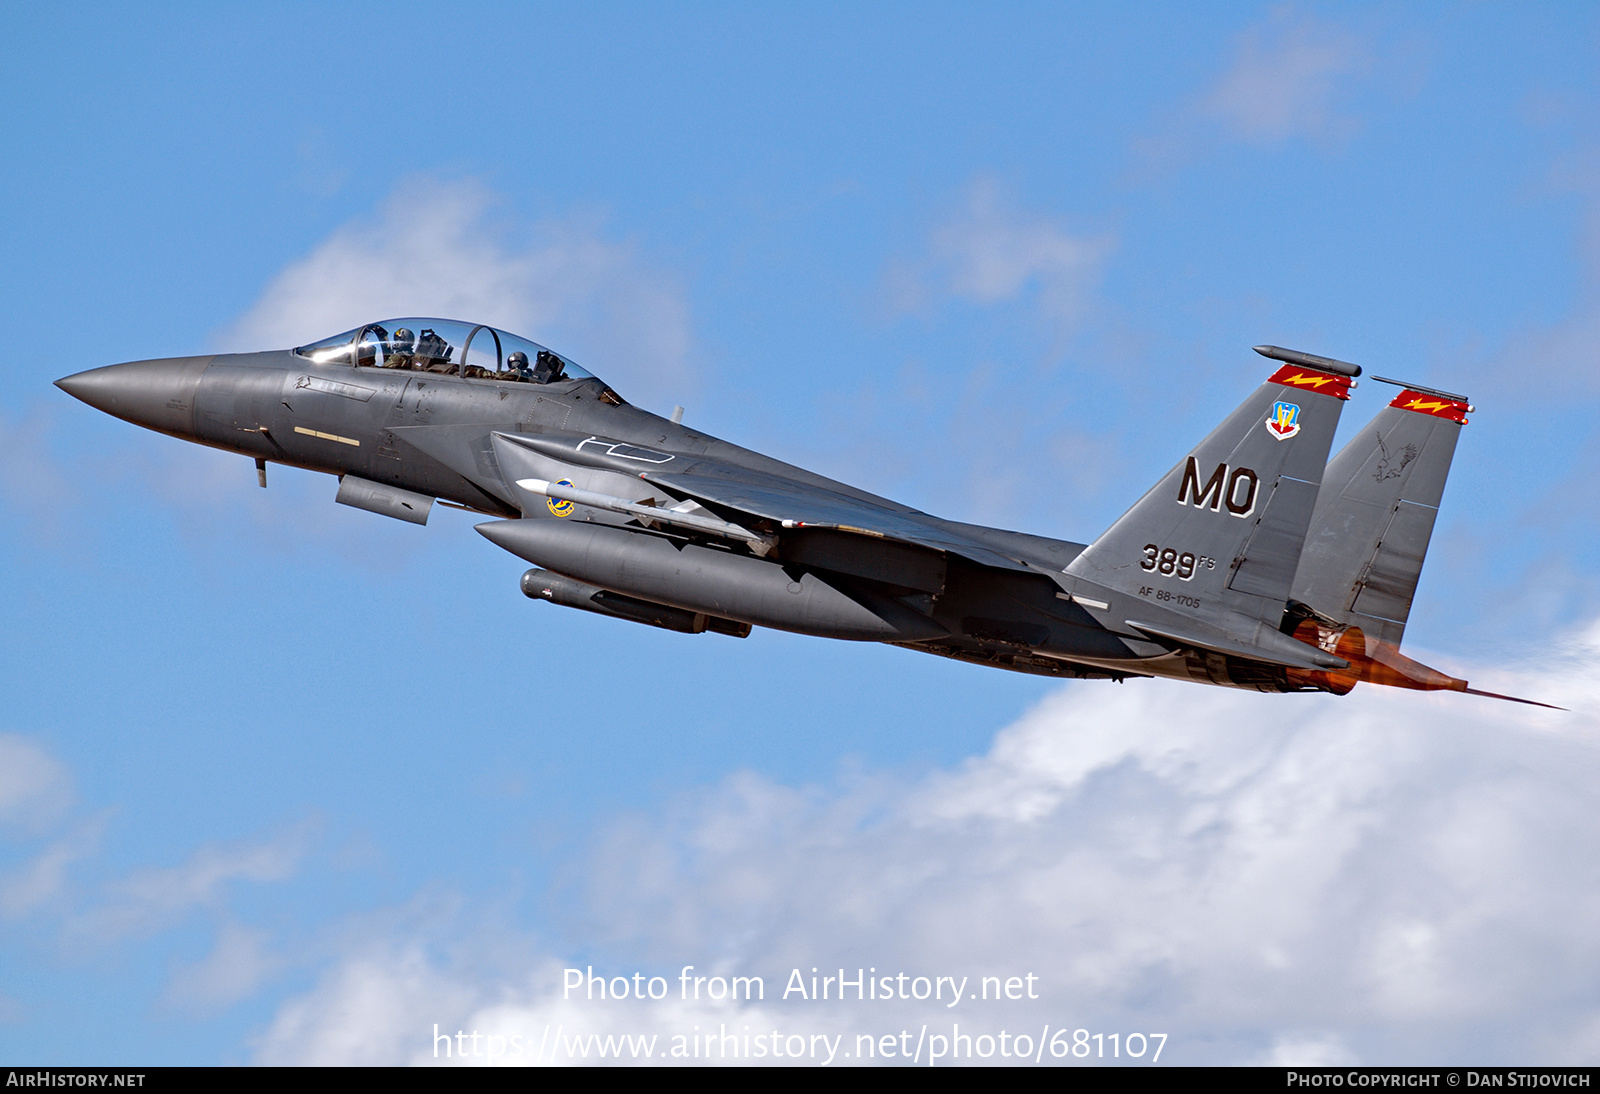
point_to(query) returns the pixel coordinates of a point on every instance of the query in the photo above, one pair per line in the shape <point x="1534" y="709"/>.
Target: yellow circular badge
<point x="558" y="507"/>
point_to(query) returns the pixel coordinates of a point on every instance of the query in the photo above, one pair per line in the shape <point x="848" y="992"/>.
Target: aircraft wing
<point x="746" y="494"/>
<point x="754" y="494"/>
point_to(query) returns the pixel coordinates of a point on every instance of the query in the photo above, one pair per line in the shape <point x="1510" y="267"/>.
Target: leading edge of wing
<point x="795" y="505"/>
<point x="745" y="492"/>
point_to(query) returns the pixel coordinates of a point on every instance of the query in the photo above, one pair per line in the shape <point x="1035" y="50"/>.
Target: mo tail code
<point x="1236" y="489"/>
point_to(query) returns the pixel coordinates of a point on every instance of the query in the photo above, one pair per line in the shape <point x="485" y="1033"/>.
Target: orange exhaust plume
<point x="1375" y="661"/>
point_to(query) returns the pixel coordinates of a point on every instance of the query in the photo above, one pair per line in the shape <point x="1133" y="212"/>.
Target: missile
<point x="543" y="585"/>
<point x="759" y="543"/>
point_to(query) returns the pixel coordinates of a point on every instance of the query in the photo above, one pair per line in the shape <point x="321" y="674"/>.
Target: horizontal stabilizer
<point x="1277" y="648"/>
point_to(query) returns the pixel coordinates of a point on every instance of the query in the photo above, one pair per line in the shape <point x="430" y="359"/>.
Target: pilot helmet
<point x="403" y="338"/>
<point x="518" y="361"/>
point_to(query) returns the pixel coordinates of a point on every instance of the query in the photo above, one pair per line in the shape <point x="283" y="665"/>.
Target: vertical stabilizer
<point x="1375" y="516"/>
<point x="1221" y="534"/>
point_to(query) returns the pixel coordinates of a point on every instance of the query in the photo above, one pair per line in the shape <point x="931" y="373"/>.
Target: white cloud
<point x="1565" y="349"/>
<point x="44" y="877"/>
<point x="1301" y="1051"/>
<point x="239" y="962"/>
<point x="1385" y="877"/>
<point x="369" y="1010"/>
<point x="31" y="479"/>
<point x="394" y="1001"/>
<point x="990" y="251"/>
<point x="1286" y="79"/>
<point x="36" y="792"/>
<point x="436" y="250"/>
<point x="35" y="788"/>
<point x="1291" y="76"/>
<point x="155" y="897"/>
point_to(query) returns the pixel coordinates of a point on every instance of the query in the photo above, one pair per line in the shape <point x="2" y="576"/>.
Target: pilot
<point x="548" y="368"/>
<point x="517" y="365"/>
<point x="432" y="349"/>
<point x="400" y="349"/>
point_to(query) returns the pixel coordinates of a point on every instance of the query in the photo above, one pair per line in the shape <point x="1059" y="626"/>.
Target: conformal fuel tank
<point x="706" y="579"/>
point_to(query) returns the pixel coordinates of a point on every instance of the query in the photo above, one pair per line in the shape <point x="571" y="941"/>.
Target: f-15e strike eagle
<point x="1254" y="563"/>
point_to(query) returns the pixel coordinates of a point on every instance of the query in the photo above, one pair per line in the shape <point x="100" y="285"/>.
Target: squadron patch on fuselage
<point x="1285" y="420"/>
<point x="557" y="506"/>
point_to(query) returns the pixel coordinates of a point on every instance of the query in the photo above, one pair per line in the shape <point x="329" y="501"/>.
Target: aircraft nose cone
<point x="155" y="394"/>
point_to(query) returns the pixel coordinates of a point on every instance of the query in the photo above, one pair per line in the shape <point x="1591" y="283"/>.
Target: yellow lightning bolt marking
<point x="1314" y="381"/>
<point x="1418" y="404"/>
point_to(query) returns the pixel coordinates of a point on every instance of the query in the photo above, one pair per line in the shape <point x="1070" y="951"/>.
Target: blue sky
<point x="282" y="781"/>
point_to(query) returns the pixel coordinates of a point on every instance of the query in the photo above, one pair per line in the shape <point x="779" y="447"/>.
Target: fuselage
<point x="1235" y="569"/>
<point x="446" y="434"/>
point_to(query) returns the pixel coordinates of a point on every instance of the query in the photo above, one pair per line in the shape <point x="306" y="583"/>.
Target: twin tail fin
<point x="1218" y="539"/>
<point x="1374" y="518"/>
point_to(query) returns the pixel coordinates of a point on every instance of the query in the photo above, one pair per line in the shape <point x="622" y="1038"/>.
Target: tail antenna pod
<point x="1308" y="360"/>
<point x="1428" y="391"/>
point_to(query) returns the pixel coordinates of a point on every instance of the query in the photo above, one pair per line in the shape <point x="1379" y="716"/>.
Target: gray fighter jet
<point x="1254" y="563"/>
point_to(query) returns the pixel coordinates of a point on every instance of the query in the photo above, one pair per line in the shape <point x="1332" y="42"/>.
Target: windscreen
<point x="449" y="347"/>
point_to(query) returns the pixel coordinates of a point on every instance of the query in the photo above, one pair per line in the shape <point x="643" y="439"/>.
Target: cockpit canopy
<point x="445" y="346"/>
